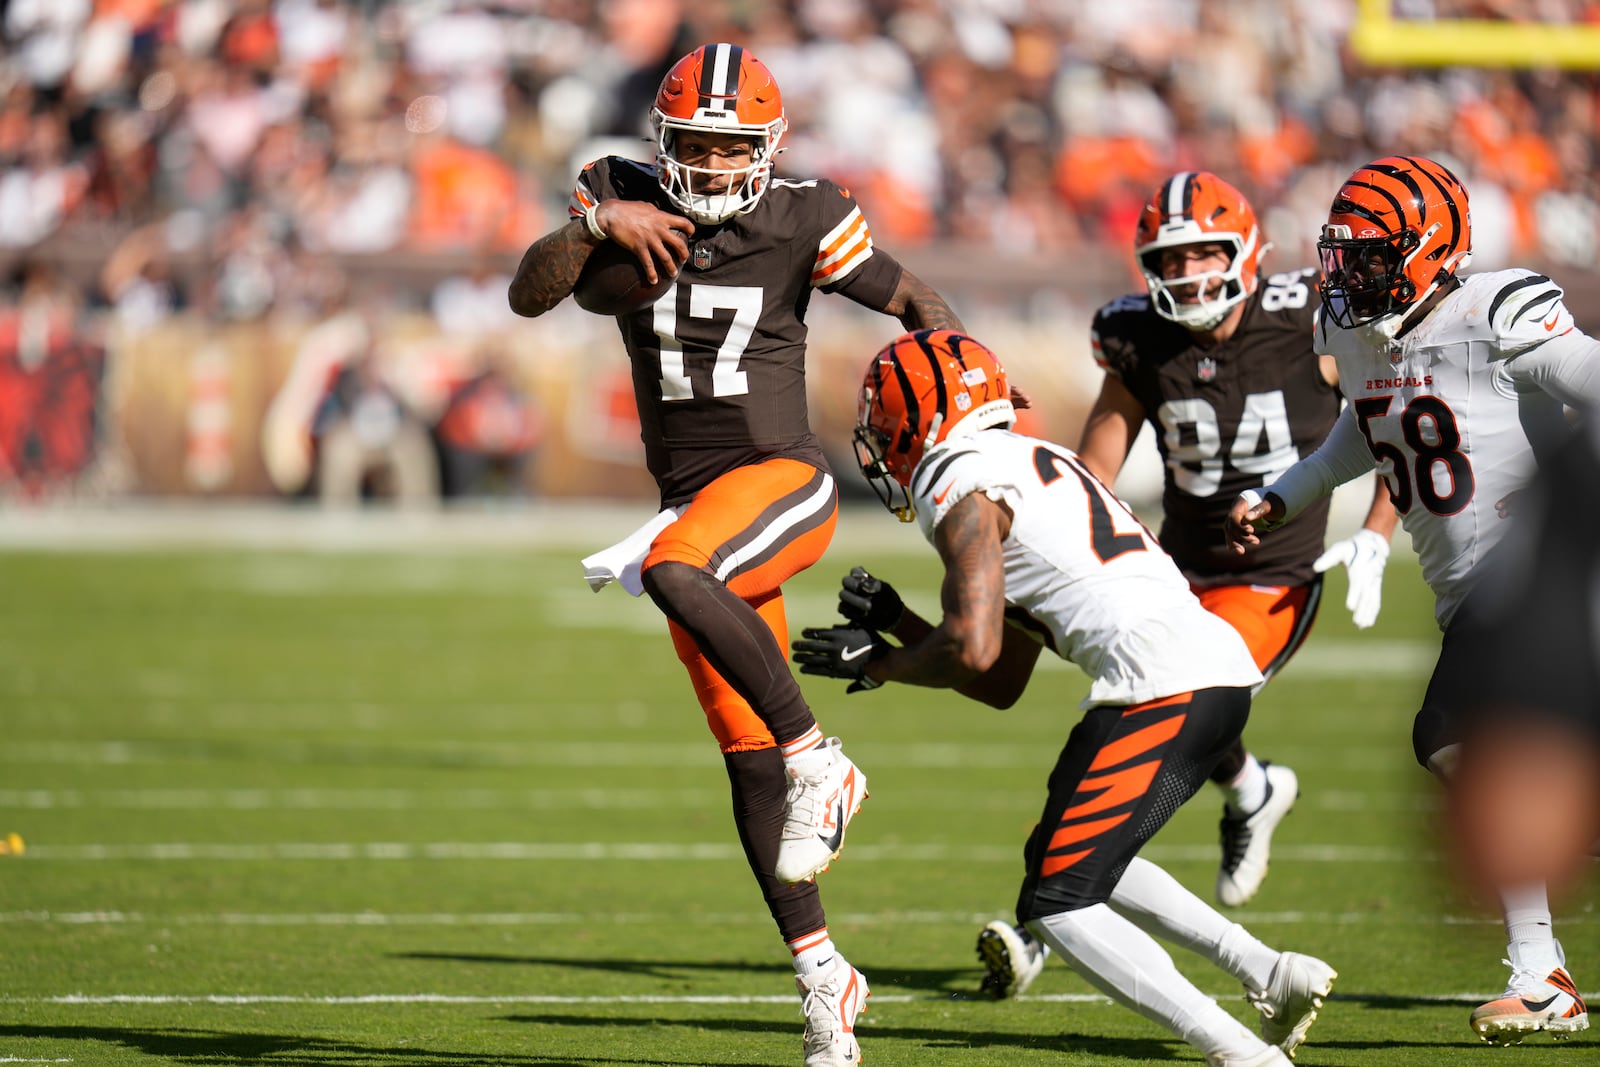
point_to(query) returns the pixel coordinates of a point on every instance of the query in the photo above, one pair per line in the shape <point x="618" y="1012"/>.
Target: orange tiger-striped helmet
<point x="1191" y="208"/>
<point x="1398" y="229"/>
<point x="920" y="389"/>
<point x="718" y="89"/>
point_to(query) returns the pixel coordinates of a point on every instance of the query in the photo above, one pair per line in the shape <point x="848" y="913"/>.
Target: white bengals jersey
<point x="1082" y="573"/>
<point x="1451" y="413"/>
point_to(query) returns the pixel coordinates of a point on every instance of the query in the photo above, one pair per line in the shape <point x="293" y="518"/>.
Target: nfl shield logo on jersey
<point x="701" y="258"/>
<point x="1207" y="371"/>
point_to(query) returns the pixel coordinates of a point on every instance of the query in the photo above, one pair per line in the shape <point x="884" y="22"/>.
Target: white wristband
<point x="594" y="225"/>
<point x="1251" y="497"/>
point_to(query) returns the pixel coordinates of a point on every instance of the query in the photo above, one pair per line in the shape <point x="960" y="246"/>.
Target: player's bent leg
<point x="1012" y="958"/>
<point x="734" y="639"/>
<point x="1123" y="772"/>
<point x="730" y="549"/>
<point x="1287" y="988"/>
<point x="1274" y="621"/>
<point x="1127" y="964"/>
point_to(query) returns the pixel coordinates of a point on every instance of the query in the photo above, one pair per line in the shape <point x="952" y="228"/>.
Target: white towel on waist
<point x="621" y="562"/>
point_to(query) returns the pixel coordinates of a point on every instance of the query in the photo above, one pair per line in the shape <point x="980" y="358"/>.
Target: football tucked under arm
<point x="613" y="282"/>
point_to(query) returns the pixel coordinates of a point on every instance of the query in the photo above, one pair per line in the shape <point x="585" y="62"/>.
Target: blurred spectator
<point x="488" y="432"/>
<point x="137" y="279"/>
<point x="50" y="373"/>
<point x="374" y="125"/>
<point x="368" y="442"/>
<point x="40" y="187"/>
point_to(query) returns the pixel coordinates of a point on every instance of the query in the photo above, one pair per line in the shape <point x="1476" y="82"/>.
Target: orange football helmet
<point x="717" y="88"/>
<point x="1398" y="229"/>
<point x="1197" y="207"/>
<point x="920" y="389"/>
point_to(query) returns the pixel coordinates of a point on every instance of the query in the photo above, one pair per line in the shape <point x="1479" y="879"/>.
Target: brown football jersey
<point x="1227" y="419"/>
<point x="719" y="361"/>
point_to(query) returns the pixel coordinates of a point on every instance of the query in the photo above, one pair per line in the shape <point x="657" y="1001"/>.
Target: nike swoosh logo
<point x="854" y="653"/>
<point x="939" y="498"/>
<point x="1540" y="1006"/>
<point x="1550" y="323"/>
<point x="837" y="839"/>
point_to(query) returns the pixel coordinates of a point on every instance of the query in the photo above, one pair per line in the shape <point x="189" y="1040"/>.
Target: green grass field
<point x="451" y="808"/>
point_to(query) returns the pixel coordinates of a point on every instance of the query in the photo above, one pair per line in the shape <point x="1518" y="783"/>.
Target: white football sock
<point x="1530" y="937"/>
<point x="1125" y="963"/>
<point x="813" y="952"/>
<point x="1248" y="789"/>
<point x="1158" y="904"/>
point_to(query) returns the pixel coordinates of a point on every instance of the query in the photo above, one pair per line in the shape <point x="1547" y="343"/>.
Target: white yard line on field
<point x="577" y="799"/>
<point x="246" y="999"/>
<point x="610" y="755"/>
<point x="711" y="919"/>
<point x="590" y="851"/>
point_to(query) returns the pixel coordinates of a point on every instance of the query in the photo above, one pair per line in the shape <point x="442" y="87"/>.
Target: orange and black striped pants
<point x="1124" y="771"/>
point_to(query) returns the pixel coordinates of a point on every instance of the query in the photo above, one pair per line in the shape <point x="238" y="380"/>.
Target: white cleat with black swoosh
<point x="825" y="792"/>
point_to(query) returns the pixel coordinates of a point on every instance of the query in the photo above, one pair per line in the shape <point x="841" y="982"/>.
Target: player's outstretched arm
<point x="918" y="307"/>
<point x="1110" y="430"/>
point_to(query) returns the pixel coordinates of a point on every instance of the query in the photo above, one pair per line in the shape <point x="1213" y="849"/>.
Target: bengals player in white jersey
<point x="747" y="499"/>
<point x="1217" y="358"/>
<point x="1457" y="387"/>
<point x="1039" y="554"/>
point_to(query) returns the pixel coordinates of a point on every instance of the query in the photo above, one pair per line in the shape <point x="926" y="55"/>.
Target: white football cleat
<point x="1293" y="996"/>
<point x="1534" y="1000"/>
<point x="1247" y="839"/>
<point x="832" y="999"/>
<point x="1012" y="958"/>
<point x="825" y="792"/>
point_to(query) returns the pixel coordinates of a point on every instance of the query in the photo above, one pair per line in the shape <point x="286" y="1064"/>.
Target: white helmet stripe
<point x="1179" y="195"/>
<point x="719" y="72"/>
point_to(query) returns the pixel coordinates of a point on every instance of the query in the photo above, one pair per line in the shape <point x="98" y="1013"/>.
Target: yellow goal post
<point x="1382" y="40"/>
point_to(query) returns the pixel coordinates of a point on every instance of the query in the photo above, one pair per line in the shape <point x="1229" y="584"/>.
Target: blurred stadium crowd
<point x="231" y="161"/>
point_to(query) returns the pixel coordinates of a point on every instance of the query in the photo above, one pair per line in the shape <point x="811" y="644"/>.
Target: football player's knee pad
<point x="675" y="585"/>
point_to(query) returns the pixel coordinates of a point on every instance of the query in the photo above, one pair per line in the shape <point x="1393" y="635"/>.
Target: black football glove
<point x="869" y="601"/>
<point x="840" y="652"/>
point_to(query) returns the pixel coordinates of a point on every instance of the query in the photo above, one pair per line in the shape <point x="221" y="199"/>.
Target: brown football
<point x="613" y="283"/>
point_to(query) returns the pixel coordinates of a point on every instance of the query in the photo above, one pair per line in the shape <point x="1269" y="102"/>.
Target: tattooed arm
<point x="550" y="267"/>
<point x="918" y="307"/>
<point x="972" y="650"/>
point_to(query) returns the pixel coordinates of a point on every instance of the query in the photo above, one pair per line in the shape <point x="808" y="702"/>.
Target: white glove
<point x="1363" y="554"/>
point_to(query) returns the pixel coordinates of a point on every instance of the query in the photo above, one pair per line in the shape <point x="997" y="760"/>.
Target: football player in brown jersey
<point x="719" y="377"/>
<point x="1219" y="360"/>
